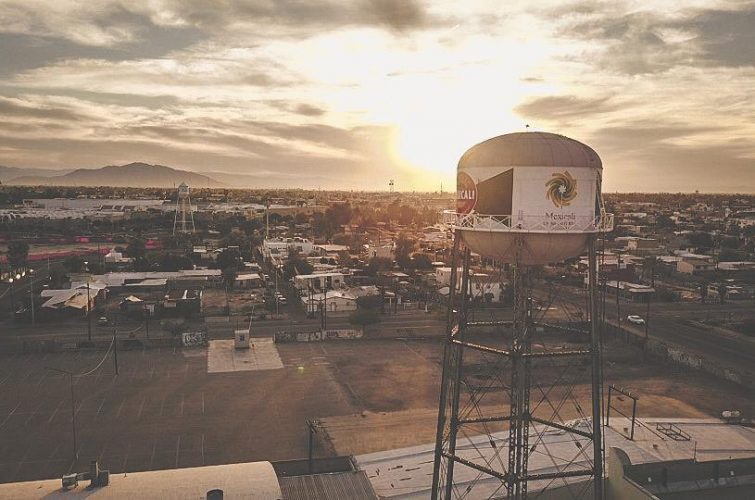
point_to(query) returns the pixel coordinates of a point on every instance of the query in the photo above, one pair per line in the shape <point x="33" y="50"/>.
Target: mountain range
<point x="132" y="175"/>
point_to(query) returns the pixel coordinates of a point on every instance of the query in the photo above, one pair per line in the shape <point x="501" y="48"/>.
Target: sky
<point x="350" y="94"/>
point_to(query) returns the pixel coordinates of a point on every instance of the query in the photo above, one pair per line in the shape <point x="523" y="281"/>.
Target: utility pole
<point x="115" y="346"/>
<point x="146" y="319"/>
<point x="31" y="298"/>
<point x="618" y="286"/>
<point x="89" y="315"/>
<point x="311" y="425"/>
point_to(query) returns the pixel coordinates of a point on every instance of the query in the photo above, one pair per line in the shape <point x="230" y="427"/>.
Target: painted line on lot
<point x="141" y="407"/>
<point x="10" y="415"/>
<point x="120" y="407"/>
<point x="178" y="448"/>
<point x="33" y="413"/>
<point x="43" y="377"/>
<point x="202" y="402"/>
<point x="125" y="458"/>
<point x="55" y="412"/>
<point x="100" y="408"/>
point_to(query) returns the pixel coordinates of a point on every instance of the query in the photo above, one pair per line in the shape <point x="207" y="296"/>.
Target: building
<point x="330" y="301"/>
<point x="277" y="249"/>
<point x="642" y="246"/>
<point x="695" y="265"/>
<point x="248" y="280"/>
<point x="331" y="478"/>
<point x="305" y="283"/>
<point x="666" y="459"/>
<point x="183" y="302"/>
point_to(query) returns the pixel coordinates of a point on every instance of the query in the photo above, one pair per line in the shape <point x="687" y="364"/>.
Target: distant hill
<point x="131" y="175"/>
<point x="8" y="173"/>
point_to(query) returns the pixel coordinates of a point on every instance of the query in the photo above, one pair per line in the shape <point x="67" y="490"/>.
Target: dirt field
<point x="164" y="410"/>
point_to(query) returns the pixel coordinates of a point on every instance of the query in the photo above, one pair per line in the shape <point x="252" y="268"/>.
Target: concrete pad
<point x="222" y="356"/>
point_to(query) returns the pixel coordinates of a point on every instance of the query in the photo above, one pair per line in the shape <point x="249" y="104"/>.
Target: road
<point x="679" y="323"/>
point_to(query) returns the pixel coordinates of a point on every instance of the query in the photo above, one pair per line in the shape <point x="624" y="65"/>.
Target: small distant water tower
<point x="183" y="221"/>
<point x="523" y="199"/>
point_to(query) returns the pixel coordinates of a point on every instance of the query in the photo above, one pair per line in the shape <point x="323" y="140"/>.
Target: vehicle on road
<point x="636" y="320"/>
<point x="102" y="321"/>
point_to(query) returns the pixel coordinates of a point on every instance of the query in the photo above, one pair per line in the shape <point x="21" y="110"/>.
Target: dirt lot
<point x="241" y="301"/>
<point x="164" y="410"/>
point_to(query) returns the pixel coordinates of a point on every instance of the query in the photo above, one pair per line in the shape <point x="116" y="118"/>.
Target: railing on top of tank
<point x="601" y="223"/>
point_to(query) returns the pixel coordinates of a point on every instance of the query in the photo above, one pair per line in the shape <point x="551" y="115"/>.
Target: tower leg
<point x="519" y="396"/>
<point x="597" y="374"/>
<point x="451" y="383"/>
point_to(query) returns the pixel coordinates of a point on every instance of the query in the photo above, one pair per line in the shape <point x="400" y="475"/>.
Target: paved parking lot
<point x="163" y="411"/>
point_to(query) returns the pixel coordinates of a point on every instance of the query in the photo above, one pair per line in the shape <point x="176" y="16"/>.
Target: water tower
<point x="184" y="218"/>
<point x="523" y="199"/>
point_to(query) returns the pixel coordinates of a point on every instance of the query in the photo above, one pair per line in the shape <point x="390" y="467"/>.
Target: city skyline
<point x="351" y="95"/>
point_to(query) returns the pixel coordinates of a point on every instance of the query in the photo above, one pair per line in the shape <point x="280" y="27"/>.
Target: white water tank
<point x="538" y="188"/>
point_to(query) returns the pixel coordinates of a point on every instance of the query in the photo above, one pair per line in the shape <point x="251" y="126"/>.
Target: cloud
<point x="308" y="110"/>
<point x="566" y="107"/>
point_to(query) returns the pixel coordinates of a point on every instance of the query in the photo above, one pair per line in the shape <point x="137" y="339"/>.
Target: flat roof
<point x="252" y="480"/>
<point x="406" y="473"/>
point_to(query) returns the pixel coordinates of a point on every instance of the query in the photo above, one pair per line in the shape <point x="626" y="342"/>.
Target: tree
<point x="378" y="264"/>
<point x="18" y="253"/>
<point x="422" y="261"/>
<point x="372" y="302"/>
<point x="136" y="248"/>
<point x="364" y="318"/>
<point x="295" y="265"/>
<point x="173" y="262"/>
<point x="722" y="292"/>
<point x="404" y="248"/>
<point x="74" y="264"/>
<point x="229" y="262"/>
<point x="648" y="268"/>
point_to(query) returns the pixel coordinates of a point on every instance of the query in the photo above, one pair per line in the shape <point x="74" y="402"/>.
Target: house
<point x="305" y="283"/>
<point x="277" y="249"/>
<point x="642" y="246"/>
<point x="79" y="299"/>
<point x="248" y="280"/>
<point x="183" y="301"/>
<point x="330" y="301"/>
<point x="695" y="265"/>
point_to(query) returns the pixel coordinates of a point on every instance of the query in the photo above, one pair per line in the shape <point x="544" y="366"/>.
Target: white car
<point x="634" y="319"/>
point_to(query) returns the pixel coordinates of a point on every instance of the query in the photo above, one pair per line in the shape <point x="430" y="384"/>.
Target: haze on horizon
<point x="335" y="94"/>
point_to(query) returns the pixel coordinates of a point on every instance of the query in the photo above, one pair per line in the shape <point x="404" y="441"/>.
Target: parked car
<point x="636" y="320"/>
<point x="102" y="321"/>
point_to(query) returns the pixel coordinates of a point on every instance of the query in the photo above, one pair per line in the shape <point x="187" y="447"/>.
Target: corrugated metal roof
<point x="335" y="486"/>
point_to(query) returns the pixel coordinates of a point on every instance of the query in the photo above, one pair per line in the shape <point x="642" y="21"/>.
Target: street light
<point x="73" y="409"/>
<point x="12" y="300"/>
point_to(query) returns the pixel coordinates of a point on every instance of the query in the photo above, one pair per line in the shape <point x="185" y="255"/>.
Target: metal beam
<point x="554" y="354"/>
<point x="478" y="467"/>
<point x="556" y="475"/>
<point x="481" y="347"/>
<point x="562" y="427"/>
<point x="482" y="420"/>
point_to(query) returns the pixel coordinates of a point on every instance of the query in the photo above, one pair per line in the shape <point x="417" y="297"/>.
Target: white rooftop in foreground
<point x="253" y="480"/>
<point x="406" y="473"/>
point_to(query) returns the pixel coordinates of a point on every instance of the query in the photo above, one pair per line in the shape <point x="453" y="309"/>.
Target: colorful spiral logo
<point x="561" y="189"/>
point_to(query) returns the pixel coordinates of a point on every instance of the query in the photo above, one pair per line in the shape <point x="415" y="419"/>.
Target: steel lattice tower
<point x="184" y="217"/>
<point x="483" y="442"/>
